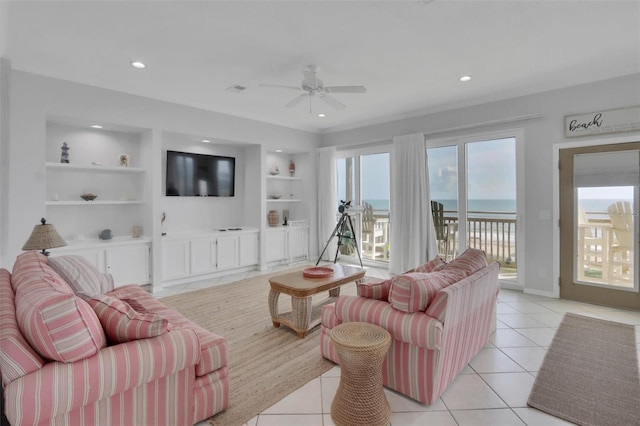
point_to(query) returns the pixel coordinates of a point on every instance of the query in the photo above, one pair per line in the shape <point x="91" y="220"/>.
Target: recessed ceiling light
<point x="96" y="126"/>
<point x="206" y="141"/>
<point x="138" y="64"/>
<point x="278" y="150"/>
<point x="321" y="115"/>
<point x="465" y="78"/>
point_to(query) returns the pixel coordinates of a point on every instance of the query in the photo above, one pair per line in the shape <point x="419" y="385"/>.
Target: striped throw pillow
<point x="122" y="323"/>
<point x="469" y="262"/>
<point x="433" y="265"/>
<point x="84" y="278"/>
<point x="374" y="288"/>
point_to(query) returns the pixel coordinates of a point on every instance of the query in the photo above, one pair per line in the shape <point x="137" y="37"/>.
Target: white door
<point x="129" y="264"/>
<point x="227" y="252"/>
<point x="276" y="245"/>
<point x="202" y="253"/>
<point x="175" y="259"/>
<point x="248" y="249"/>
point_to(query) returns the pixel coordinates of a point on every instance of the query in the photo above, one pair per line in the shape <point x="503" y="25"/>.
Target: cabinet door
<point x="94" y="256"/>
<point x="202" y="253"/>
<point x="128" y="264"/>
<point x="248" y="249"/>
<point x="276" y="245"/>
<point x="227" y="252"/>
<point x="175" y="259"/>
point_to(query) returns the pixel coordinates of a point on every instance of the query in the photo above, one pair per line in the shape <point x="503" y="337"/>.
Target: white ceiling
<point x="409" y="54"/>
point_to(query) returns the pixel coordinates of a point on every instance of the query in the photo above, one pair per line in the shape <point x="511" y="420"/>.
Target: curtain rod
<point x="451" y="129"/>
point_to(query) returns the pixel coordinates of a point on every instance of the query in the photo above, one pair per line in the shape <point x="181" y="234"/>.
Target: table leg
<point x="334" y="292"/>
<point x="301" y="311"/>
<point x="273" y="307"/>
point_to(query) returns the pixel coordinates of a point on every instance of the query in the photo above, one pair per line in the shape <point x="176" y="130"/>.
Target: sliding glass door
<point x="364" y="179"/>
<point x="475" y="180"/>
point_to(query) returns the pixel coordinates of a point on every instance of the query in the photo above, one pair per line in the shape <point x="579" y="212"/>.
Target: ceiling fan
<point x="313" y="87"/>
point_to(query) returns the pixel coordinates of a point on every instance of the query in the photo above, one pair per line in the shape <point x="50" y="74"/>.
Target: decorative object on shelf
<point x="89" y="196"/>
<point x="275" y="196"/>
<point x="292" y="168"/>
<point x="273" y="218"/>
<point x="96" y="163"/>
<point x="64" y="157"/>
<point x="44" y="237"/>
<point x="55" y="196"/>
<point x="274" y="170"/>
<point x="105" y="234"/>
<point x="136" y="232"/>
<point x="317" y="272"/>
<point x="285" y="214"/>
<point x="123" y="160"/>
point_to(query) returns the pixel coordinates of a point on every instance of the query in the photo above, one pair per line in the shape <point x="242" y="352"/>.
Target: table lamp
<point x="44" y="237"/>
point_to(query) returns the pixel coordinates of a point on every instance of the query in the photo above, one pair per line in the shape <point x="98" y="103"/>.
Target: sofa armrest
<point x="59" y="387"/>
<point x="413" y="328"/>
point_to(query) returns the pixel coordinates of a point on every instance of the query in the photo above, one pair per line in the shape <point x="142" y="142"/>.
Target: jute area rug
<point x="265" y="363"/>
<point x="589" y="375"/>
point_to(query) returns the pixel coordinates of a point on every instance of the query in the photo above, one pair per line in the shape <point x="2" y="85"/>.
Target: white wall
<point x="34" y="99"/>
<point x="540" y="136"/>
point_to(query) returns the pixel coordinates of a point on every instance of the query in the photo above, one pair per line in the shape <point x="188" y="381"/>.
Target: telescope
<point x="346" y="207"/>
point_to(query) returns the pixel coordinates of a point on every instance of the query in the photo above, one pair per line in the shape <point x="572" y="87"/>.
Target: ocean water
<point x="503" y="206"/>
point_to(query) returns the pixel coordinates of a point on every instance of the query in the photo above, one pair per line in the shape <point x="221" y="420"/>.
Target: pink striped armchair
<point x="439" y="319"/>
<point x="67" y="360"/>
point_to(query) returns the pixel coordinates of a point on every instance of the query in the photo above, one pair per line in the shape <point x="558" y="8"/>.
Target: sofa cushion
<point x="433" y="265"/>
<point x="470" y="261"/>
<point x="122" y="323"/>
<point x="17" y="358"/>
<point x="83" y="278"/>
<point x="374" y="288"/>
<point x="414" y="291"/>
<point x="214" y="352"/>
<point x="57" y="324"/>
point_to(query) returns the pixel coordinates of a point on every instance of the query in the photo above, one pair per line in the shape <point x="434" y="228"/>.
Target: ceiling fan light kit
<point x="313" y="87"/>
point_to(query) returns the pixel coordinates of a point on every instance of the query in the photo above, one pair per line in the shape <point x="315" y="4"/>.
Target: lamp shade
<point x="44" y="237"/>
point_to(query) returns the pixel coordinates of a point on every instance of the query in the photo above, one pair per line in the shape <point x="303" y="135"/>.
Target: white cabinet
<point x="249" y="249"/>
<point x="128" y="264"/>
<point x="202" y="254"/>
<point x="191" y="255"/>
<point x="227" y="252"/>
<point x="288" y="244"/>
<point x="175" y="259"/>
<point x="125" y="259"/>
<point x="276" y="244"/>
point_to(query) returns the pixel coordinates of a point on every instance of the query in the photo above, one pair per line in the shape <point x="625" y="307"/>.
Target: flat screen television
<point x="199" y="175"/>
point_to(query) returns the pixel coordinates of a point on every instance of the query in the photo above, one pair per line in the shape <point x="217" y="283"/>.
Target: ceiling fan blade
<point x="345" y="89"/>
<point x="332" y="102"/>
<point x="280" y="86"/>
<point x="295" y="101"/>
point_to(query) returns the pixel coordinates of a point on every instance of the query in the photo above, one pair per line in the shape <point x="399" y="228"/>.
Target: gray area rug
<point x="589" y="375"/>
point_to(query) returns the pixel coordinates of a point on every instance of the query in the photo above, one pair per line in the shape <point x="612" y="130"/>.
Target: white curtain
<point x="327" y="201"/>
<point x="413" y="238"/>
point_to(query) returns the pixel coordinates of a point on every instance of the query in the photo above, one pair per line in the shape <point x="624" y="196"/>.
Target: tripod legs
<point x="343" y="227"/>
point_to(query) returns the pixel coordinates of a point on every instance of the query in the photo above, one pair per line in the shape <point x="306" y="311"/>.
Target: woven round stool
<point x="360" y="398"/>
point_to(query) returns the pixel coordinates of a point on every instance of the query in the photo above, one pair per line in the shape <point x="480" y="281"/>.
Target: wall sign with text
<point x="595" y="123"/>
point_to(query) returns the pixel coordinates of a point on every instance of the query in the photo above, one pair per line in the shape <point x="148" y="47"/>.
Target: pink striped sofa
<point x="114" y="358"/>
<point x="439" y="316"/>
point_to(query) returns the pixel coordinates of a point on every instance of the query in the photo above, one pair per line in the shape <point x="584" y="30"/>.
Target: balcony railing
<point x="492" y="232"/>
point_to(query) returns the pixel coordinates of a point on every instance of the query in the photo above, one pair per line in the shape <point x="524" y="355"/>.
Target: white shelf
<point x="278" y="177"/>
<point x="93" y="168"/>
<point x="286" y="200"/>
<point x="89" y="203"/>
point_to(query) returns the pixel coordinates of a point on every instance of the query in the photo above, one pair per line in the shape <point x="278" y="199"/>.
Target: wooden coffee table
<point x="304" y="314"/>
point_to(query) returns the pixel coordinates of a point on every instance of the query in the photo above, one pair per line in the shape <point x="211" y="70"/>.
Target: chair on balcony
<point x="373" y="237"/>
<point x="592" y="241"/>
<point x="445" y="234"/>
<point x="621" y="241"/>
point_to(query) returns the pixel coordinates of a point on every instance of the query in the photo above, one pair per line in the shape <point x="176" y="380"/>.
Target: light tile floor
<point x="492" y="390"/>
